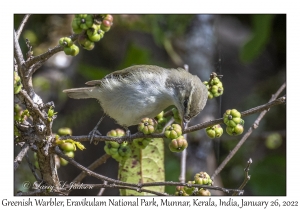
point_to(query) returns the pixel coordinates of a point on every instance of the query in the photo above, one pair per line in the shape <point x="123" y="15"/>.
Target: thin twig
<point x="20" y="156"/>
<point x="254" y="110"/>
<point x="92" y="167"/>
<point x="116" y="183"/>
<point x="247" y="176"/>
<point x="168" y="183"/>
<point x="18" y="52"/>
<point x="102" y="189"/>
<point x="20" y="29"/>
<point x="200" y="126"/>
<point x="104" y="186"/>
<point x="183" y="154"/>
<point x="22" y="69"/>
<point x="138" y="187"/>
<point x="251" y="129"/>
<point x="33" y="169"/>
<point x="183" y="164"/>
<point x="89" y="172"/>
<point x="45" y="56"/>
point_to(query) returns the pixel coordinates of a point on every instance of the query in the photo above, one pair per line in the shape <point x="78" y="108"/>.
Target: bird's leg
<point x="128" y="133"/>
<point x="95" y="131"/>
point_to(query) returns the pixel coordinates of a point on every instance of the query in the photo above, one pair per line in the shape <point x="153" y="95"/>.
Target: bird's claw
<point x="92" y="134"/>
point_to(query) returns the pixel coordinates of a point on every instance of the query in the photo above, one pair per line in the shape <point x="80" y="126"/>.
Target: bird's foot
<point x="128" y="133"/>
<point x="94" y="133"/>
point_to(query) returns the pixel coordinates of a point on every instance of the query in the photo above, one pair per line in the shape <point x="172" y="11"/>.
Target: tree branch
<point x="20" y="29"/>
<point x="200" y="126"/>
<point x="20" y="156"/>
<point x="190" y="185"/>
<point x="22" y="69"/>
<point x="137" y="187"/>
<point x="253" y="127"/>
<point x="89" y="172"/>
<point x="45" y="56"/>
<point x="184" y="152"/>
<point x="254" y="110"/>
<point x="92" y="167"/>
<point x="101" y="191"/>
<point x="33" y="169"/>
<point x="247" y="176"/>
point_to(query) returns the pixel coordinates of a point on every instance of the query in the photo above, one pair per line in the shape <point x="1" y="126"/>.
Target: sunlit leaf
<point x="143" y="166"/>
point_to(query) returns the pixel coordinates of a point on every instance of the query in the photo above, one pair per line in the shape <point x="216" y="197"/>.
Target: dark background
<point x="249" y="50"/>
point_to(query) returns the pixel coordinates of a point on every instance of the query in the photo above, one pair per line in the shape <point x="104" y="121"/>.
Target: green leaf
<point x="262" y="25"/>
<point x="143" y="166"/>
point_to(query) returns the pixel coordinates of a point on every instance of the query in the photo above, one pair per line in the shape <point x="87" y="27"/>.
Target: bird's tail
<point x="80" y="93"/>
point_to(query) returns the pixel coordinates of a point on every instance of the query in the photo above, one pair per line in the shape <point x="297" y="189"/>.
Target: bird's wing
<point x="120" y="74"/>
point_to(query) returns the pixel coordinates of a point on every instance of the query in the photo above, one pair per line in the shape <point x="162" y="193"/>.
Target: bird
<point x="140" y="91"/>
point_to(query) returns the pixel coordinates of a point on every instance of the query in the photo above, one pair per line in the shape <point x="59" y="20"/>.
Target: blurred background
<point x="248" y="49"/>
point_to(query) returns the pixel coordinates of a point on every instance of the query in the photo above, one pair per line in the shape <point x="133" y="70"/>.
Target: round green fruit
<point x="112" y="144"/>
<point x="141" y="143"/>
<point x="173" y="131"/>
<point x="64" y="131"/>
<point x="124" y="150"/>
<point x="215" y="131"/>
<point x="73" y="50"/>
<point x="147" y="126"/>
<point x="189" y="190"/>
<point x="67" y="147"/>
<point x="70" y="154"/>
<point x="203" y="192"/>
<point x="202" y="178"/>
<point x="232" y="117"/>
<point x="65" y="42"/>
<point x="178" y="145"/>
<point x="116" y="133"/>
<point x="63" y="162"/>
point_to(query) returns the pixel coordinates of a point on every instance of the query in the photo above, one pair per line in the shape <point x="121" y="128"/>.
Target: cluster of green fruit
<point x="235" y="124"/>
<point x="149" y="126"/>
<point x="116" y="150"/>
<point x="92" y="23"/>
<point x="201" y="178"/>
<point x="67" y="146"/>
<point x="214" y="131"/>
<point x="146" y="126"/>
<point x="233" y="121"/>
<point x="214" y="86"/>
<point x="17" y="83"/>
<point x="174" y="132"/>
<point x="69" y="47"/>
<point x="178" y="142"/>
<point x="161" y="122"/>
<point x="91" y="29"/>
